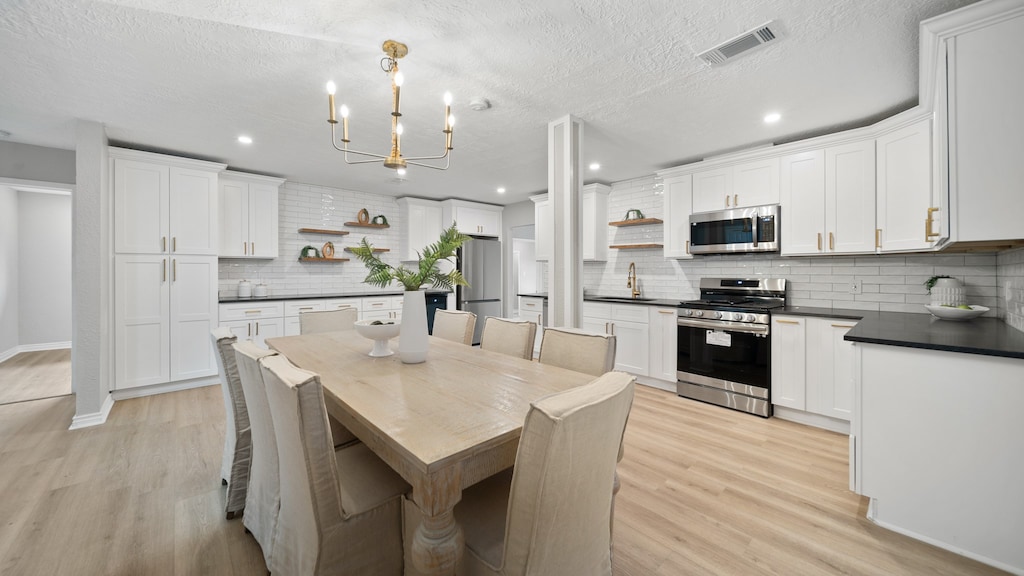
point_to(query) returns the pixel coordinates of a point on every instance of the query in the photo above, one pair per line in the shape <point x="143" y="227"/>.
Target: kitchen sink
<point x="618" y="299"/>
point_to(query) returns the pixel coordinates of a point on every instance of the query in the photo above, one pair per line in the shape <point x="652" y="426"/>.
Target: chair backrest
<point x="235" y="466"/>
<point x="264" y="493"/>
<point x="512" y="337"/>
<point x="455" y="325"/>
<point x="328" y="321"/>
<point x="310" y="494"/>
<point x="587" y="352"/>
<point x="559" y="508"/>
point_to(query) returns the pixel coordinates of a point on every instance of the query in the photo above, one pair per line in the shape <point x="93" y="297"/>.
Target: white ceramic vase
<point x="413" y="343"/>
<point x="948" y="292"/>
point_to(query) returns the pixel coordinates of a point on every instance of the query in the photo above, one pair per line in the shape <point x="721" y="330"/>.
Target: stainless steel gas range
<point x="725" y="343"/>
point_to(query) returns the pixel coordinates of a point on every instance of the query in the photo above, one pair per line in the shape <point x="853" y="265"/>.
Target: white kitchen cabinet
<point x="165" y="308"/>
<point x="472" y="218"/>
<point x="678" y="200"/>
<point x="629" y="324"/>
<point x="543" y="227"/>
<point x="594" y="222"/>
<point x="164" y="205"/>
<point x="789" y="361"/>
<point x="663" y="343"/>
<point x="813" y="368"/>
<point x="828" y="200"/>
<point x="984" y="125"/>
<point x="422" y="222"/>
<point x="247" y="213"/>
<point x="533" y="309"/>
<point x="904" y="187"/>
<point x="753" y="183"/>
<point x="253" y="320"/>
<point x="379" y="308"/>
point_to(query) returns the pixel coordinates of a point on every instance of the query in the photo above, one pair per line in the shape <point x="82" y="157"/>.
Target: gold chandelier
<point x="393" y="50"/>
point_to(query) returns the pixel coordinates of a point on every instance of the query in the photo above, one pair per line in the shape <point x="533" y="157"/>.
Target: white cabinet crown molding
<point x="165" y="159"/>
<point x="249" y="177"/>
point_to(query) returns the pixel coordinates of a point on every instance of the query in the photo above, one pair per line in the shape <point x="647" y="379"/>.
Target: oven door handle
<point x="724" y="326"/>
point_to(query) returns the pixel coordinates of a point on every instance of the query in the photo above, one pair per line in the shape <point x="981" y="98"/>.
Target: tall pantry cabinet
<point x="165" y="267"/>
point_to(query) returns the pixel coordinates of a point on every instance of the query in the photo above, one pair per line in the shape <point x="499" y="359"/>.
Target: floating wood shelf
<point x="637" y="222"/>
<point x="635" y="246"/>
<point x="324" y="231"/>
<point x="361" y="225"/>
<point x="323" y="259"/>
<point x="349" y="249"/>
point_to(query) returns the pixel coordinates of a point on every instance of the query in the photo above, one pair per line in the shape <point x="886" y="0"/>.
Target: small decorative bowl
<point x="379" y="333"/>
<point x="953" y="313"/>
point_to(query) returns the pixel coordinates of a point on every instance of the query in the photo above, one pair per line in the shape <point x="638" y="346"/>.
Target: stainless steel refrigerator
<point x="480" y="263"/>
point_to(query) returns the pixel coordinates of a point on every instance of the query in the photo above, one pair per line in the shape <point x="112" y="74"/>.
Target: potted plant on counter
<point x="413" y="343"/>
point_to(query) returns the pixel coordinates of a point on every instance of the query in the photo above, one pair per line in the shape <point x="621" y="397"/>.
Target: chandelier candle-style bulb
<point x="447" y="110"/>
<point x="344" y="123"/>
<point x="331" y="89"/>
<point x="398" y="80"/>
<point x="449" y="132"/>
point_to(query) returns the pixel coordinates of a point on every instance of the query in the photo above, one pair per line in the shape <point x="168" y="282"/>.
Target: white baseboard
<point x="94" y="419"/>
<point x="7" y="355"/>
<point x="810" y="419"/>
<point x="655" y="383"/>
<point x="126" y="393"/>
<point x="872" y="515"/>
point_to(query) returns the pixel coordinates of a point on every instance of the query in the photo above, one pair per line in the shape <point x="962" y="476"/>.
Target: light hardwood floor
<point x="35" y="375"/>
<point x="704" y="491"/>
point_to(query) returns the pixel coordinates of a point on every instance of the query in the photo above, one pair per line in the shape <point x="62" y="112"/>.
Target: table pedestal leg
<point x="437" y="544"/>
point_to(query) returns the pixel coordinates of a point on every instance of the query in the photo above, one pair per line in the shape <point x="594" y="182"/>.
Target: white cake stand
<point x="380" y="334"/>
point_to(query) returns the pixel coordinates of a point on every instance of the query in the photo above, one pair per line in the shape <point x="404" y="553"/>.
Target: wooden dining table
<point x="443" y="425"/>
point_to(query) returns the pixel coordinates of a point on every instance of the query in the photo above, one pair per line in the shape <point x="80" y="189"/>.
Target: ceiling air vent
<point x="739" y="45"/>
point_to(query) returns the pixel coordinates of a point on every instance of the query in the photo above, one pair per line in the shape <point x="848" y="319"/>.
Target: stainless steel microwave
<point x="753" y="229"/>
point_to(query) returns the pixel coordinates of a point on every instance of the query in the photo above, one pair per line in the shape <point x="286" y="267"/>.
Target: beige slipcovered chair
<point x="552" y="514"/>
<point x="328" y="321"/>
<point x="587" y="352"/>
<point x="455" y="325"/>
<point x="512" y="337"/>
<point x="341" y="512"/>
<point x="263" y="498"/>
<point x="234" y="469"/>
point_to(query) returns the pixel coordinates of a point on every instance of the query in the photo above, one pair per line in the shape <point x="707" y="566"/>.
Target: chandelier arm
<point x="447" y="163"/>
<point x="347" y="161"/>
<point x="441" y="157"/>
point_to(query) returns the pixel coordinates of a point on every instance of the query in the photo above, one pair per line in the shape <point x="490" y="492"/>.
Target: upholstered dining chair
<point x="263" y="497"/>
<point x="512" y="337"/>
<point x="551" y="514"/>
<point x="234" y="469"/>
<point x="455" y="325"/>
<point x="341" y="511"/>
<point x="587" y="352"/>
<point x="328" y="321"/>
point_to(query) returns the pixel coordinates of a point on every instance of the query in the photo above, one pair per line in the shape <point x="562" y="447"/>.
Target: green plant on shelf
<point x="381" y="273"/>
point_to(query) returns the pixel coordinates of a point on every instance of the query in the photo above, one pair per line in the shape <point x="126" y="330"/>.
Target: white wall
<point x="514" y="215"/>
<point x="44" y="268"/>
<point x="27" y="162"/>
<point x="8" y="271"/>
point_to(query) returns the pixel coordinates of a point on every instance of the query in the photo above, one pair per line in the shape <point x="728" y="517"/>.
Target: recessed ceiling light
<point x="245" y="139"/>
<point x="501" y="190"/>
<point x="772" y="118"/>
<point x="595" y="166"/>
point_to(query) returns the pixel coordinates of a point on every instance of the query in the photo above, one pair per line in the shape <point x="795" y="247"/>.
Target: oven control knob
<point x="716" y="314"/>
<point x="698" y="313"/>
<point x="749" y="318"/>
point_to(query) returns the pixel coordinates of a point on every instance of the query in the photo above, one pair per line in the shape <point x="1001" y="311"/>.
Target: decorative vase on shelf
<point x="948" y="292"/>
<point x="413" y="343"/>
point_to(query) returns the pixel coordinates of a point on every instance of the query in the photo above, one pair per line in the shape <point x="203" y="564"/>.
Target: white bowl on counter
<point x="953" y="313"/>
<point x="379" y="333"/>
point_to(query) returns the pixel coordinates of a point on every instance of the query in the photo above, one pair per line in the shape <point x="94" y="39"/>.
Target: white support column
<point x="565" y="184"/>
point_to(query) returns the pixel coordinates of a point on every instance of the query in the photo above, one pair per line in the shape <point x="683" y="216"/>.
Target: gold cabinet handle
<point x="841" y="326"/>
<point x="245" y="248"/>
<point x="666" y="312"/>
<point x="305" y="308"/>
<point x="174" y="244"/>
<point x="250" y="329"/>
<point x="252" y="311"/>
<point x="787" y="321"/>
<point x="174" y="269"/>
<point x="819" y="241"/>
<point x="928" y="225"/>
<point x="165" y="270"/>
<point x="726" y="200"/>
<point x="257" y="328"/>
<point x="735" y="200"/>
<point x="252" y="248"/>
<point x="687" y="246"/>
<point x="878" y="237"/>
<point x="163" y="243"/>
<point x="831" y="241"/>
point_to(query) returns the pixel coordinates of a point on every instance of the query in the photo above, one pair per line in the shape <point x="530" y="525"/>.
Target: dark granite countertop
<point x="628" y="300"/>
<point x="279" y="297"/>
<point x="985" y="336"/>
<point x="844" y="313"/>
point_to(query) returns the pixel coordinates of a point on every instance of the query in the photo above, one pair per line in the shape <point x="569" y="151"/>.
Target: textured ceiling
<point x="188" y="77"/>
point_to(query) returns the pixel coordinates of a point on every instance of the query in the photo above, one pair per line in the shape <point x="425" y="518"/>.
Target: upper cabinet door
<point x="712" y="189"/>
<point x="141" y="220"/>
<point x="904" y="191"/>
<point x="193" y="210"/>
<point x="802" y="197"/>
<point x="678" y="198"/>
<point x="755" y="183"/>
<point x="233" y="212"/>
<point x="263" y="225"/>
<point x="422" y="222"/>
<point x="850" y="198"/>
<point x="544" y="230"/>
